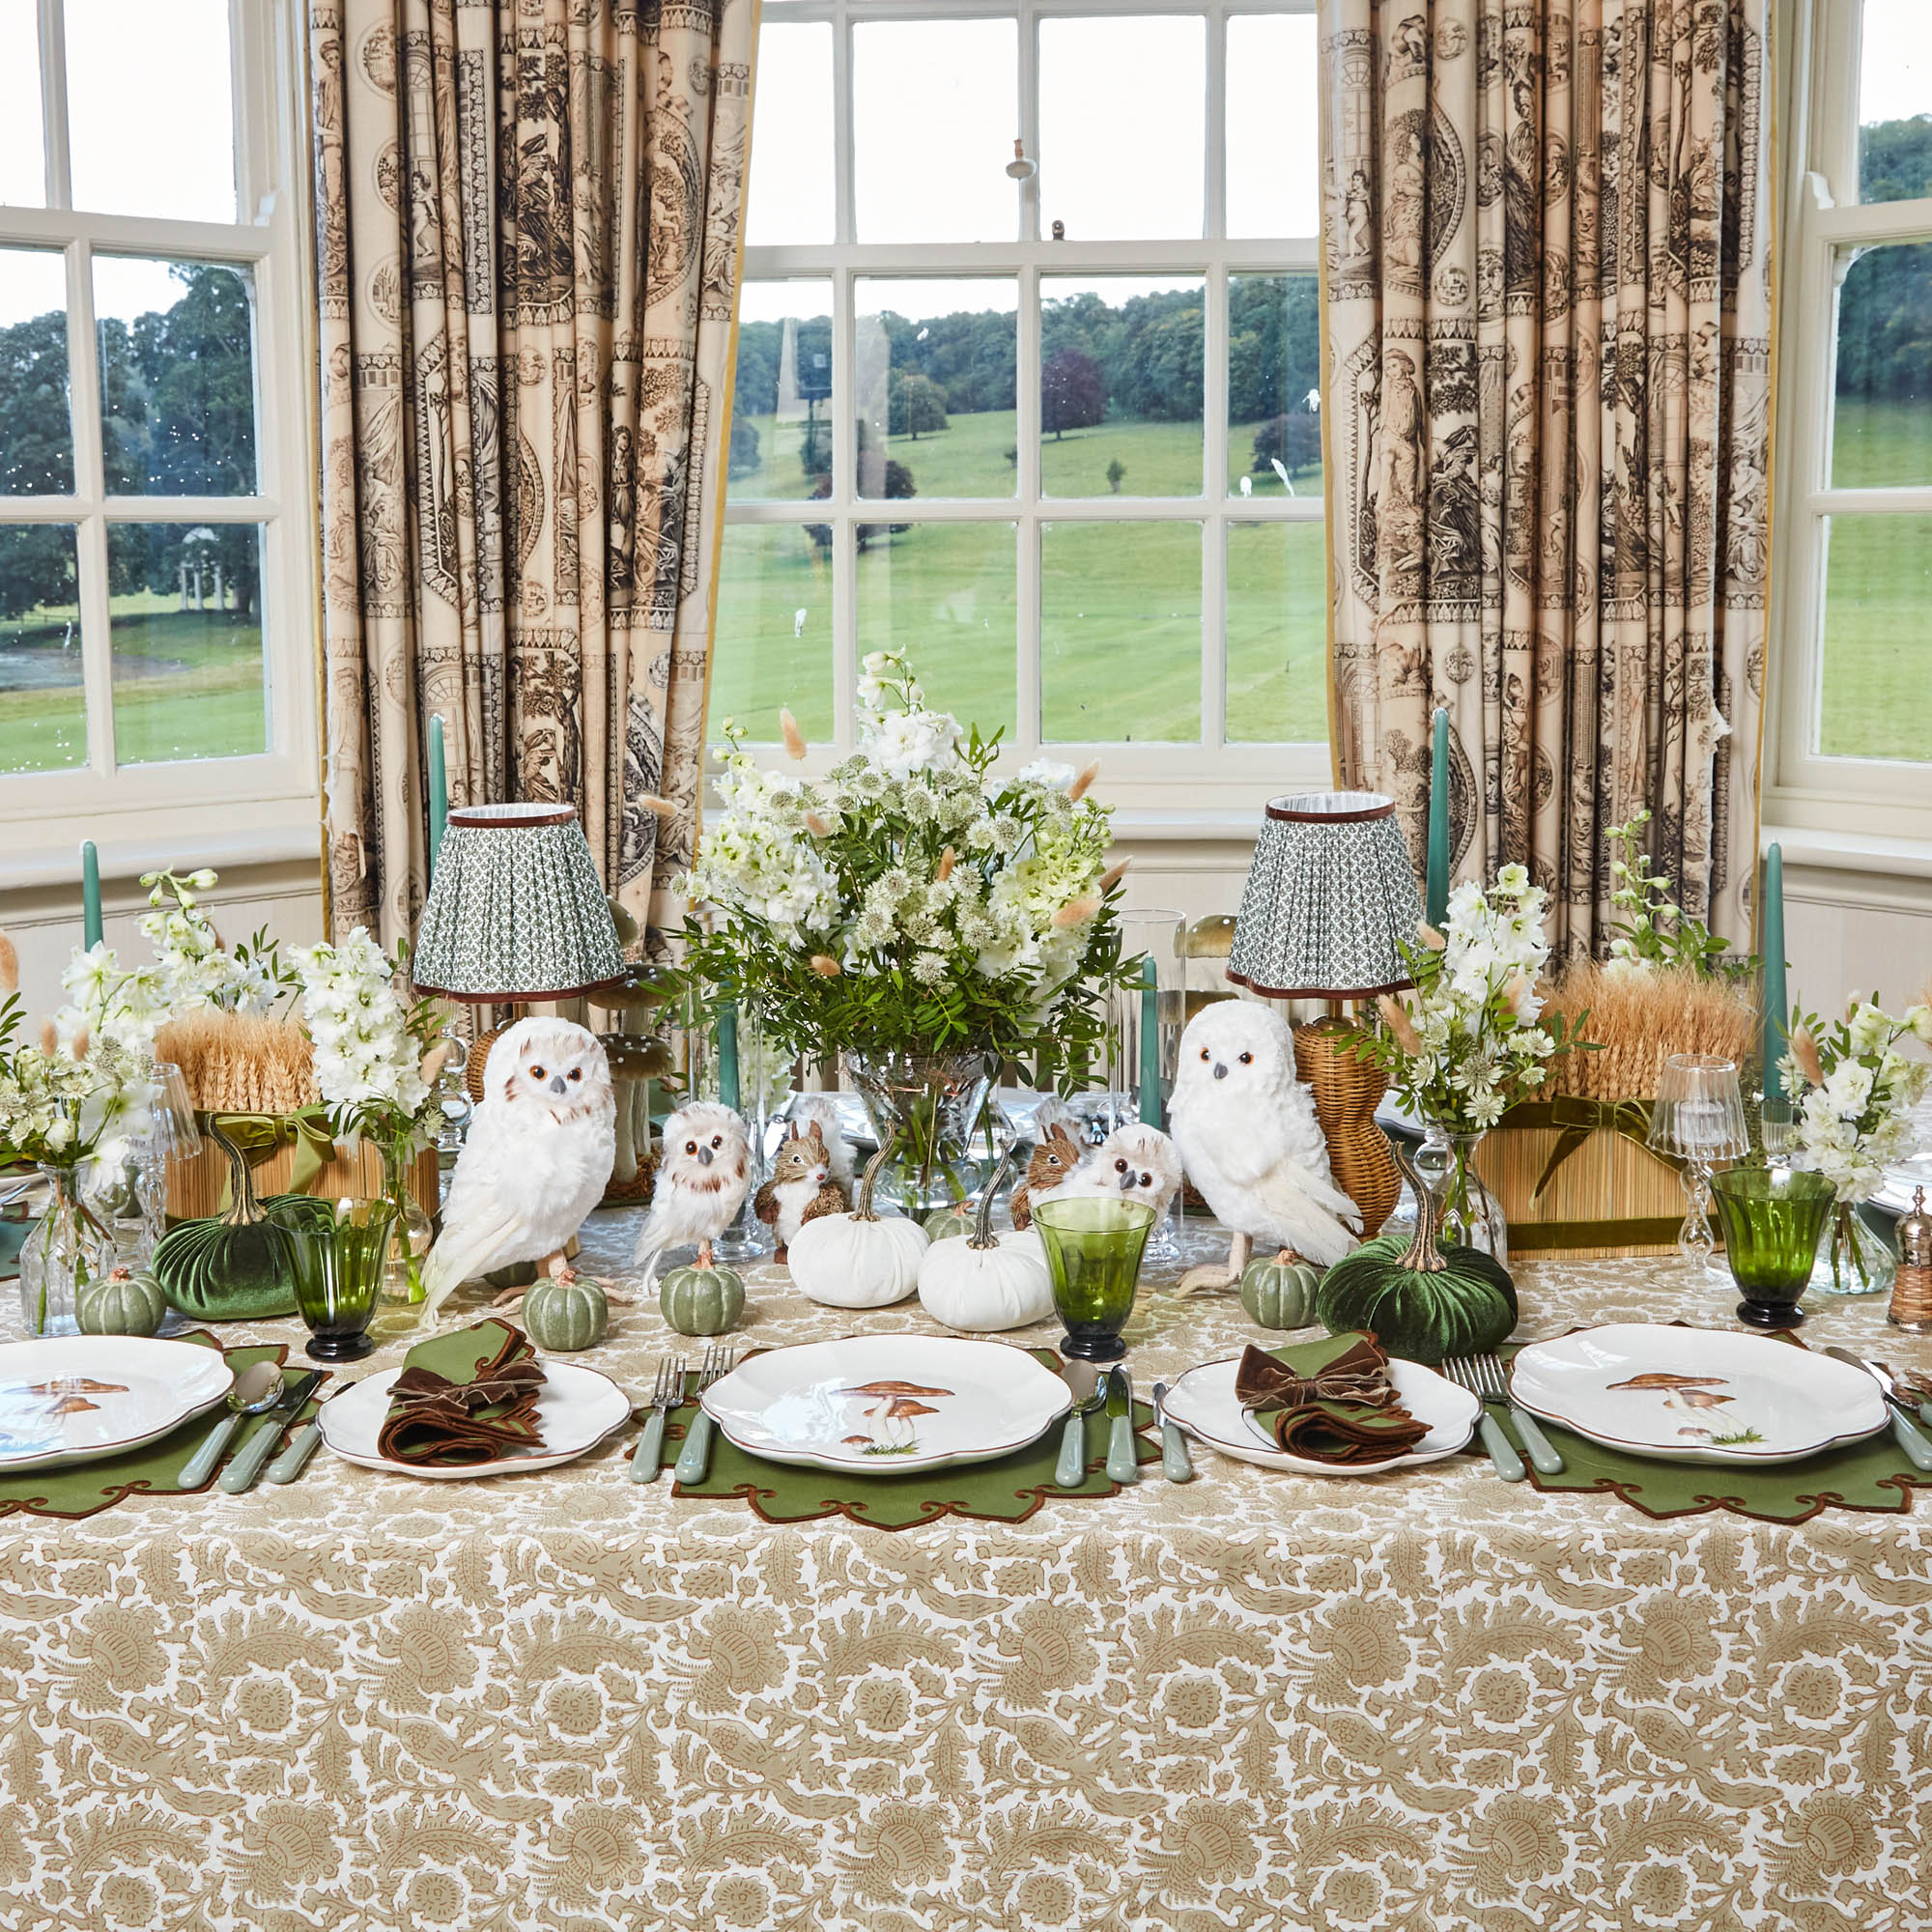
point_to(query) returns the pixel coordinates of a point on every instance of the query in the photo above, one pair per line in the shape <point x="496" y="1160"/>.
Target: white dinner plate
<point x="886" y="1404"/>
<point x="1697" y="1395"/>
<point x="577" y="1409"/>
<point x="1203" y="1402"/>
<point x="78" y="1398"/>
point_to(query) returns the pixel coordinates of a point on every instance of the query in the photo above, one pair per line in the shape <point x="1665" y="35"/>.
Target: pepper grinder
<point x="1911" y="1290"/>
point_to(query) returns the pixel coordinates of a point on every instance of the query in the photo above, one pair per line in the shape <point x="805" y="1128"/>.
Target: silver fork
<point x="1463" y="1372"/>
<point x="666" y="1392"/>
<point x="1492" y="1380"/>
<point x="694" y="1458"/>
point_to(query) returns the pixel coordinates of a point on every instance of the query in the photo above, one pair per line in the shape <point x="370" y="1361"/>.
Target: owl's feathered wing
<point x="523" y="1184"/>
<point x="682" y="1214"/>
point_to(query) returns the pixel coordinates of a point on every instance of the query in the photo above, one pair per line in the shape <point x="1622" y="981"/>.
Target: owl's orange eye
<point x="690" y="1147"/>
<point x="1247" y="1060"/>
<point x="1120" y="1167"/>
<point x="577" y="1074"/>
<point x="717" y="1139"/>
<point x="1204" y="1053"/>
<point x="536" y="1073"/>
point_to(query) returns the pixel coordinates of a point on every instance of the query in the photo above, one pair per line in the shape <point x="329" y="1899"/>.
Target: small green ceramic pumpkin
<point x="1421" y="1301"/>
<point x="127" y="1302"/>
<point x="1278" y="1291"/>
<point x="235" y="1267"/>
<point x="942" y="1223"/>
<point x="702" y="1300"/>
<point x="563" y="1312"/>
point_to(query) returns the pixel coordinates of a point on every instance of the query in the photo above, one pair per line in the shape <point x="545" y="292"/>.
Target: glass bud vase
<point x="1853" y="1256"/>
<point x="411" y="1232"/>
<point x="1471" y="1216"/>
<point x="933" y="1102"/>
<point x="63" y="1250"/>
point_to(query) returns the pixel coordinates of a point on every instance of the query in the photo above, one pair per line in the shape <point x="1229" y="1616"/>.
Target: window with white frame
<point x="1855" y="701"/>
<point x="1045" y="415"/>
<point x="156" y="581"/>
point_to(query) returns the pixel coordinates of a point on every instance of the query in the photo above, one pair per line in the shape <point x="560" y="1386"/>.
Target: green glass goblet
<point x="1093" y="1250"/>
<point x="1772" y="1219"/>
<point x="338" y="1250"/>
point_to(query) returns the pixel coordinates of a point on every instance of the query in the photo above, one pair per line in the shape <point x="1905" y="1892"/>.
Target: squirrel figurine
<point x="1055" y="1157"/>
<point x="801" y="1188"/>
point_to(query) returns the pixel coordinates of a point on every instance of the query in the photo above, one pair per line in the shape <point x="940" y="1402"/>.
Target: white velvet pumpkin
<point x="859" y="1259"/>
<point x="977" y="1290"/>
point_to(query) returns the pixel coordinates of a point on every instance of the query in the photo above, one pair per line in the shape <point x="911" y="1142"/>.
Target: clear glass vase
<point x="67" y="1248"/>
<point x="1853" y="1256"/>
<point x="935" y="1104"/>
<point x="411" y="1231"/>
<point x="1471" y="1216"/>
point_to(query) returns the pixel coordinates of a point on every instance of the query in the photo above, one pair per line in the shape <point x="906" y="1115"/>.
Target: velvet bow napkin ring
<point x="1347" y="1413"/>
<point x="434" y="1418"/>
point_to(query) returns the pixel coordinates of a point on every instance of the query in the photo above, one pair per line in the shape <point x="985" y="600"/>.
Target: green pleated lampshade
<point x="1330" y="891"/>
<point x="516" y="910"/>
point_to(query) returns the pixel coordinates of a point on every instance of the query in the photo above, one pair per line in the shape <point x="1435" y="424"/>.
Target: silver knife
<point x="1174" y="1462"/>
<point x="1904" y="1431"/>
<point x="246" y="1462"/>
<point x="1124" y="1464"/>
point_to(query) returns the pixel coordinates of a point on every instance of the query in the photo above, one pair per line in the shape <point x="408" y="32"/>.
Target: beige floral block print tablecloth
<point x="558" y="1700"/>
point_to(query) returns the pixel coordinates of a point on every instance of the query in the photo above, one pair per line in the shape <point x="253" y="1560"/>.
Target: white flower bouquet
<point x="910" y="900"/>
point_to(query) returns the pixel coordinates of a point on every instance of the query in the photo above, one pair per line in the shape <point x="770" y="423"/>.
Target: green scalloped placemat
<point x="1872" y="1476"/>
<point x="1008" y="1490"/>
<point x="86" y="1489"/>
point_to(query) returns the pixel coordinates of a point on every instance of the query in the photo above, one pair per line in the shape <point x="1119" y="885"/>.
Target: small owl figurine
<point x="1056" y="1158"/>
<point x="1246" y="1130"/>
<point x="537" y="1159"/>
<point x="702" y="1173"/>
<point x="1133" y="1163"/>
<point x="800" y="1188"/>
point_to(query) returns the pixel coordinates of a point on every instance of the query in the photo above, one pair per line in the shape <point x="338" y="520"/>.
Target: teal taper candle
<point x="1151" y="1096"/>
<point x="1435" y="897"/>
<point x="90" y="893"/>
<point x="439" y="792"/>
<point x="727" y="1055"/>
<point x="1771" y="944"/>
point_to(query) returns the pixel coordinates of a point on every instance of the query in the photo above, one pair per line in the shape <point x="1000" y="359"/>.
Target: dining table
<point x="1422" y="1698"/>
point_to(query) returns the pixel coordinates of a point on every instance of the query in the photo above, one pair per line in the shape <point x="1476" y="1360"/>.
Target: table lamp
<point x="515" y="914"/>
<point x="1330" y="897"/>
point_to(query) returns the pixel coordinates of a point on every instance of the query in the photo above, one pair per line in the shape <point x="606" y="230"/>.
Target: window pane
<point x="781" y="400"/>
<point x="1274" y="369"/>
<point x="23" y="171"/>
<point x="935" y="106"/>
<point x="1120" y="631"/>
<point x="1876" y="698"/>
<point x="1274" y="125"/>
<point x="790" y="198"/>
<point x="42" y="704"/>
<point x="151" y="109"/>
<point x="1894" y="96"/>
<point x="1882" y="416"/>
<point x="187" y="641"/>
<point x="945" y="593"/>
<point x="774" y="644"/>
<point x="36" y="429"/>
<point x="1120" y="386"/>
<point x="934" y="376"/>
<point x="1277" y="633"/>
<point x="1122" y="126"/>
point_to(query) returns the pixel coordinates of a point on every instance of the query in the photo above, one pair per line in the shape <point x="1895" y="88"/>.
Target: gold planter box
<point x="196" y="1188"/>
<point x="1608" y="1196"/>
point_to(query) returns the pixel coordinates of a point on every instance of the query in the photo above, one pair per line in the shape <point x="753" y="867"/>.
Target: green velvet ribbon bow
<point x="1576" y="1118"/>
<point x="258" y="1136"/>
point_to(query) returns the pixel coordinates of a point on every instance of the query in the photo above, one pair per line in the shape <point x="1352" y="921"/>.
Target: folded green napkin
<point x="465" y="1397"/>
<point x="1345" y="1412"/>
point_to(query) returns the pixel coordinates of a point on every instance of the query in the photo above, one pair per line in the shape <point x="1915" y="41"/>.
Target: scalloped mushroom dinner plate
<point x="78" y="1398"/>
<point x="1697" y="1395"/>
<point x="886" y="1405"/>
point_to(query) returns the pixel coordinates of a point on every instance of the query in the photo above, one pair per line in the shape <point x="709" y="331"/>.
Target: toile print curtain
<point x="1546" y="236"/>
<point x="529" y="218"/>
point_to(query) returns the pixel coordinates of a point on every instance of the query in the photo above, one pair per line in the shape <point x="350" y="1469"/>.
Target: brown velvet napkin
<point x="479" y="1404"/>
<point x="1345" y="1412"/>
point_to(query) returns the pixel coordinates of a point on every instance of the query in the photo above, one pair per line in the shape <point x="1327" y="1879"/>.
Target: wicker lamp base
<point x="1347" y="1091"/>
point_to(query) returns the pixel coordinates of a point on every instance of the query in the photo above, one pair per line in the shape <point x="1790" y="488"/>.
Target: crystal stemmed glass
<point x="1698" y="1117"/>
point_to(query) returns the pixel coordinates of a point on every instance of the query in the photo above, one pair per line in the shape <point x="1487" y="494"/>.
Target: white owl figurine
<point x="1248" y="1133"/>
<point x="701" y="1178"/>
<point x="536" y="1160"/>
<point x="1133" y="1163"/>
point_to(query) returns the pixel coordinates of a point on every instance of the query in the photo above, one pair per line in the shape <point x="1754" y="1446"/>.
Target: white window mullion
<point x="1214" y="175"/>
<point x="1029" y="127"/>
<point x="53" y="105"/>
<point x="845" y="527"/>
<point x="844" y="217"/>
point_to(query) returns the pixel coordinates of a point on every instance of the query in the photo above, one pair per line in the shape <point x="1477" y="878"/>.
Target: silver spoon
<point x="257" y="1388"/>
<point x="1090" y="1391"/>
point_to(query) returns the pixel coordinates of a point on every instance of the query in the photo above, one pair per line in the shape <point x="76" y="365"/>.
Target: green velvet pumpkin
<point x="1463" y="1304"/>
<point x="1280" y="1293"/>
<point x="564" y="1313"/>
<point x="235" y="1267"/>
<point x="123" y="1302"/>
<point x="702" y="1300"/>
